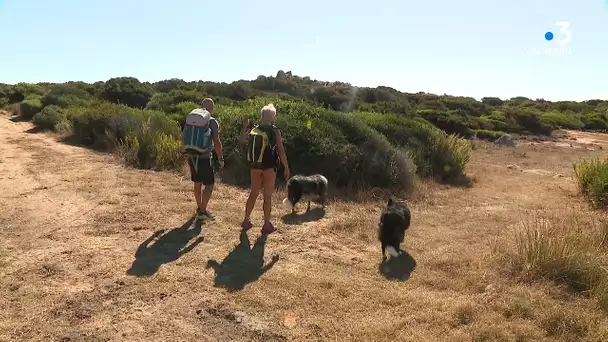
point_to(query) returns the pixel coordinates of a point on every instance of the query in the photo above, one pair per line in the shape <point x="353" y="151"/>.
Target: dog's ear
<point x="390" y="201"/>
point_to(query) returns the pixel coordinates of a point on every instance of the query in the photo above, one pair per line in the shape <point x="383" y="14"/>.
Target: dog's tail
<point x="323" y="179"/>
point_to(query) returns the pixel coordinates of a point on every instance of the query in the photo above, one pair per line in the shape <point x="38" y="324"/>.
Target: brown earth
<point x="72" y="223"/>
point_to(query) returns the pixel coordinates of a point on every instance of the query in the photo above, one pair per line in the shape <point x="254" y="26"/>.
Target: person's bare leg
<point x="256" y="185"/>
<point x="269" y="179"/>
<point x="206" y="195"/>
<point x="198" y="195"/>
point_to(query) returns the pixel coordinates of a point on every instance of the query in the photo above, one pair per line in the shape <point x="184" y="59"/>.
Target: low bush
<point x="155" y="144"/>
<point x="561" y="120"/>
<point x="435" y="153"/>
<point x="64" y="96"/>
<point x="49" y="118"/>
<point x="29" y="107"/>
<point x="485" y="134"/>
<point x="103" y="125"/>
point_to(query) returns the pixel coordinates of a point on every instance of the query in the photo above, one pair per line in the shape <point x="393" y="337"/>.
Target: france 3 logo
<point x="558" y="40"/>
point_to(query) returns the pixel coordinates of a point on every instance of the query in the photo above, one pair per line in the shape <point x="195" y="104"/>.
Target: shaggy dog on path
<point x="314" y="186"/>
<point x="394" y="221"/>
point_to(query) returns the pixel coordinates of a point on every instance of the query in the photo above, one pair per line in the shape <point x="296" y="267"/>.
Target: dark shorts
<point x="201" y="170"/>
<point x="264" y="166"/>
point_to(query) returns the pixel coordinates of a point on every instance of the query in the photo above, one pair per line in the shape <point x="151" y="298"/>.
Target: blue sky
<point x="469" y="48"/>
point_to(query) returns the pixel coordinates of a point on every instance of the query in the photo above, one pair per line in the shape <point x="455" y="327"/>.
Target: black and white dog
<point x="314" y="186"/>
<point x="394" y="221"/>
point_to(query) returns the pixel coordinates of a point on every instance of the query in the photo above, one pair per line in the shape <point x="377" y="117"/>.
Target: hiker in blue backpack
<point x="201" y="135"/>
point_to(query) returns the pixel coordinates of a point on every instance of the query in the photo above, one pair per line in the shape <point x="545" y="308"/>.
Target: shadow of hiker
<point x="242" y="265"/>
<point x="167" y="248"/>
<point x="398" y="268"/>
<point x="308" y="216"/>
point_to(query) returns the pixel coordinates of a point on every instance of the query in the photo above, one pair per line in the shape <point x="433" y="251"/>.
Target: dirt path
<point x="69" y="228"/>
<point x="72" y="265"/>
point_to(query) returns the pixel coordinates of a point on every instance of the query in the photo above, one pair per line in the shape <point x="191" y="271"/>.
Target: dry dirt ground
<point x="94" y="251"/>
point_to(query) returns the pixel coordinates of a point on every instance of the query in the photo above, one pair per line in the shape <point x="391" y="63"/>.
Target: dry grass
<point x="93" y="250"/>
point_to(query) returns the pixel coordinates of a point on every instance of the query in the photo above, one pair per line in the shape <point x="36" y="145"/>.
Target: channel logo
<point x="564" y="33"/>
<point x="556" y="41"/>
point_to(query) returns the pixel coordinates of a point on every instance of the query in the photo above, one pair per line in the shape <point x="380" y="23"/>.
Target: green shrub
<point x="103" y="124"/>
<point x="49" y="117"/>
<point x="595" y="121"/>
<point x="526" y="120"/>
<point x="418" y="137"/>
<point x="592" y="179"/>
<point x="561" y="120"/>
<point x="448" y="121"/>
<point x="155" y="144"/>
<point x="167" y="102"/>
<point x="29" y="107"/>
<point x="348" y="152"/>
<point x="21" y="91"/>
<point x="488" y="135"/>
<point x="66" y="96"/>
<point x="449" y="154"/>
<point x="4" y="102"/>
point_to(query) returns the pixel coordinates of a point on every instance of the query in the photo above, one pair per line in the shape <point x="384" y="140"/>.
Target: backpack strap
<point x="194" y="159"/>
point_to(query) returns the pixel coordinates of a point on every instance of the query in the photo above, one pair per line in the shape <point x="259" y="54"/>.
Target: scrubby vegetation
<point x="358" y="137"/>
<point x="592" y="179"/>
<point x="570" y="251"/>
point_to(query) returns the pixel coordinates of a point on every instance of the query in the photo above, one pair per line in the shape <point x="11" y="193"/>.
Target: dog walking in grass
<point x="394" y="221"/>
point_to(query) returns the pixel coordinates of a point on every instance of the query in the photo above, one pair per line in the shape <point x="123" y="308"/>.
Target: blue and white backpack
<point x="197" y="131"/>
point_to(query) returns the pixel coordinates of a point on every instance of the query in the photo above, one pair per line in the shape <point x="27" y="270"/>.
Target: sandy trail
<point x="72" y="265"/>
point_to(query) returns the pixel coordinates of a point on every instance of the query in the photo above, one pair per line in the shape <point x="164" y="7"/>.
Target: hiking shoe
<point x="246" y="225"/>
<point x="268" y="228"/>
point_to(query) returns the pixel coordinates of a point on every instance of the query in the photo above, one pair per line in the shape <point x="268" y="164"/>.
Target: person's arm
<point x="244" y="132"/>
<point x="217" y="142"/>
<point x="281" y="149"/>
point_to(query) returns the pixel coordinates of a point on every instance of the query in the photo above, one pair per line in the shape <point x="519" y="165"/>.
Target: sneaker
<point x="208" y="214"/>
<point x="246" y="225"/>
<point x="268" y="228"/>
<point x="199" y="214"/>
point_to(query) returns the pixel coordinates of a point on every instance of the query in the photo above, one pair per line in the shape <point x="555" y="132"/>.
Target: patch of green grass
<point x="592" y="179"/>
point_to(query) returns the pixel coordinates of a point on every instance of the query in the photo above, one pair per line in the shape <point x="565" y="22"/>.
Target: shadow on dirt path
<point x="242" y="265"/>
<point x="166" y="248"/>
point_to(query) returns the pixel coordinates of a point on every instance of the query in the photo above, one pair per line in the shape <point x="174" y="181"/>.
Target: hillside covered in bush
<point x="357" y="137"/>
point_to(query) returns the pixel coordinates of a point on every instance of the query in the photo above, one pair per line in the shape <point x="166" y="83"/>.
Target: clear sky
<point x="469" y="47"/>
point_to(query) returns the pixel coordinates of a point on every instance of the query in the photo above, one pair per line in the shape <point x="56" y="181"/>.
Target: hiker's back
<point x="197" y="132"/>
<point x="261" y="149"/>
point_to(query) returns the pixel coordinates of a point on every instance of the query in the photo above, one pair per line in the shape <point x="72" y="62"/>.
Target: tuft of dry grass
<point x="566" y="325"/>
<point x="570" y="251"/>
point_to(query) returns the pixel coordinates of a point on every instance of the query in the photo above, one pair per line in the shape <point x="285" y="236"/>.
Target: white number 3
<point x="564" y="30"/>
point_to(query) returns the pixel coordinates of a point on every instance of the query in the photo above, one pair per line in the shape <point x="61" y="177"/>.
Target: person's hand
<point x="286" y="173"/>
